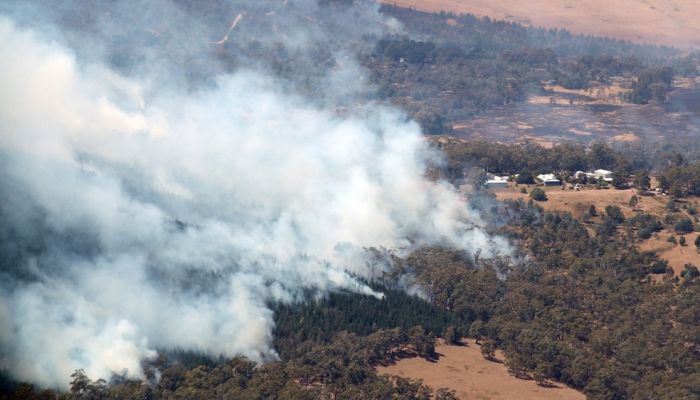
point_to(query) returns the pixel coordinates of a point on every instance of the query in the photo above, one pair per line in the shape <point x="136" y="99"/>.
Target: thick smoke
<point x="137" y="218"/>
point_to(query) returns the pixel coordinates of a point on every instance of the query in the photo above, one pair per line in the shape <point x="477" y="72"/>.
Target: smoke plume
<point x="137" y="215"/>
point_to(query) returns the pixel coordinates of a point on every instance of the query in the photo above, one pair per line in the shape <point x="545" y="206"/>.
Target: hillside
<point x="663" y="22"/>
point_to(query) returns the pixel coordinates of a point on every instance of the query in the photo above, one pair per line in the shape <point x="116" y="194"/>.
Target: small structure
<point x="599" y="174"/>
<point x="603" y="174"/>
<point x="497" y="182"/>
<point x="549" y="180"/>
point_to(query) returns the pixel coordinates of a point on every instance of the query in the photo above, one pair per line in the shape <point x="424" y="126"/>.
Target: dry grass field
<point x="578" y="202"/>
<point x="666" y="22"/>
<point x="676" y="255"/>
<point x="464" y="369"/>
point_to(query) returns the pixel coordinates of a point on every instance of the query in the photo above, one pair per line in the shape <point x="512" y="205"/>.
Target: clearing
<point x="465" y="370"/>
<point x="676" y="255"/>
<point x="578" y="202"/>
<point x="665" y="22"/>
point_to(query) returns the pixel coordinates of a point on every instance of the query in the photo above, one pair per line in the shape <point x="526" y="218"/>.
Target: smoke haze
<point x="140" y="215"/>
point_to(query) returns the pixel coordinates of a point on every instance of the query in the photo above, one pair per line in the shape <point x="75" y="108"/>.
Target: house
<point x="603" y="174"/>
<point x="599" y="174"/>
<point x="549" y="180"/>
<point x="497" y="182"/>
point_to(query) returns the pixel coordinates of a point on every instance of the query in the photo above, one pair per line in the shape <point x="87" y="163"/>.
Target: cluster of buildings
<point x="599" y="174"/>
<point x="499" y="182"/>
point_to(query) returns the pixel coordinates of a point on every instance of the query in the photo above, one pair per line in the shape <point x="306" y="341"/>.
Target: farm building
<point x="549" y="180"/>
<point x="599" y="174"/>
<point x="496" y="182"/>
<point x="603" y="174"/>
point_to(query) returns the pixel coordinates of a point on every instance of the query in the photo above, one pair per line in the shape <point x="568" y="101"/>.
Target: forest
<point x="581" y="309"/>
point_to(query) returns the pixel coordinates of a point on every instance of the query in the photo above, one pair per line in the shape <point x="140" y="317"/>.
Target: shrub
<point x="682" y="241"/>
<point x="685" y="225"/>
<point x="671" y="206"/>
<point x="538" y="194"/>
<point x="615" y="213"/>
<point x="592" y="211"/>
<point x="671" y="239"/>
<point x="659" y="267"/>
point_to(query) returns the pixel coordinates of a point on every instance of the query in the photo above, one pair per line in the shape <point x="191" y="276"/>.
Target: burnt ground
<point x="585" y="122"/>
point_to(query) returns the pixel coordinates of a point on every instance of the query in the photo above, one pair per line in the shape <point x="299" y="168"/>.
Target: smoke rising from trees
<point x="137" y="216"/>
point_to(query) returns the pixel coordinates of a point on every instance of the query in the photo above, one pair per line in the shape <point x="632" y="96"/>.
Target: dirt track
<point x="668" y="22"/>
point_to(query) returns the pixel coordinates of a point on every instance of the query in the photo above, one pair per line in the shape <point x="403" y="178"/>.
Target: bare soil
<point x="666" y="22"/>
<point x="464" y="369"/>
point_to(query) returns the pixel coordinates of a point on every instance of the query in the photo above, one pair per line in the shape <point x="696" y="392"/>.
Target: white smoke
<point x="172" y="220"/>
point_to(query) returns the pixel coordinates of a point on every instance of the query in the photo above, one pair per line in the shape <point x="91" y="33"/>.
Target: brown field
<point x="667" y="22"/>
<point x="464" y="369"/>
<point x="578" y="202"/>
<point x="676" y="255"/>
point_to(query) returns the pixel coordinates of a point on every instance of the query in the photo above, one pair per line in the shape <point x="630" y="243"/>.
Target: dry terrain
<point x="464" y="369"/>
<point x="666" y="22"/>
<point x="578" y="202"/>
<point x="587" y="116"/>
<point x="676" y="255"/>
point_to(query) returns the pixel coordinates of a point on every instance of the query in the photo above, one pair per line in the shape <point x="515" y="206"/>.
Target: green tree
<point x="446" y="394"/>
<point x="525" y="177"/>
<point x="642" y="181"/>
<point x="671" y="206"/>
<point x="477" y="330"/>
<point x="697" y="242"/>
<point x="682" y="241"/>
<point x="488" y="349"/>
<point x="684" y="225"/>
<point x="451" y="335"/>
<point x="633" y="201"/>
<point x="615" y="213"/>
<point x="477" y="178"/>
<point x="619" y="180"/>
<point x="592" y="211"/>
<point x="538" y="194"/>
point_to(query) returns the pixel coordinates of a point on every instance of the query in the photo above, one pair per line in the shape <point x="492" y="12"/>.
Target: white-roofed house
<point x="549" y="179"/>
<point x="497" y="182"/>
